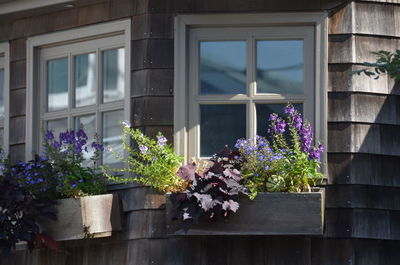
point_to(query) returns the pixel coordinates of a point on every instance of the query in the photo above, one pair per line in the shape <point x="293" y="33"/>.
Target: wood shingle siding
<point x="362" y="196"/>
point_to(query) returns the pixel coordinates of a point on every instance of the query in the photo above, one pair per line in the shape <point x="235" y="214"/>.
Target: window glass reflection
<point x="221" y="125"/>
<point x="223" y="67"/>
<point x="112" y="135"/>
<point x="280" y="66"/>
<point x="57" y="84"/>
<point x="113" y="74"/>
<point x="57" y="126"/>
<point x="2" y="83"/>
<point x="85" y="79"/>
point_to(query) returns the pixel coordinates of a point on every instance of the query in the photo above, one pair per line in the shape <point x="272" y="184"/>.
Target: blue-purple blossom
<point x="161" y="140"/>
<point x="56" y="145"/>
<point x="306" y="137"/>
<point x="289" y="109"/>
<point x="97" y="146"/>
<point x="273" y="117"/>
<point x="279" y="126"/>
<point x="315" y="153"/>
<point x="298" y="121"/>
<point x="143" y="149"/>
<point x="49" y="135"/>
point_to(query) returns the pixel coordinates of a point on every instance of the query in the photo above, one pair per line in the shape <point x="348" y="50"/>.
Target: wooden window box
<point x="84" y="217"/>
<point x="278" y="213"/>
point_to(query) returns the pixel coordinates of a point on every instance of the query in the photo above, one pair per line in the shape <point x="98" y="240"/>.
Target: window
<point x="232" y="71"/>
<point x="83" y="84"/>
<point x="4" y="95"/>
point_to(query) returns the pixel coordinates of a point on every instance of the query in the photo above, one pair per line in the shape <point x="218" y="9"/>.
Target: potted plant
<point x="269" y="180"/>
<point x="63" y="173"/>
<point x="277" y="175"/>
<point x="20" y="211"/>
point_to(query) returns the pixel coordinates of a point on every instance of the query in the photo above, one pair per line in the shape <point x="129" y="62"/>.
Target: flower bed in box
<point x="262" y="187"/>
<point x="55" y="195"/>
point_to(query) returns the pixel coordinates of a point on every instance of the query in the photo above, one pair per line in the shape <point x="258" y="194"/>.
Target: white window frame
<point x="76" y="41"/>
<point x="5" y="64"/>
<point x="22" y="5"/>
<point x="189" y="29"/>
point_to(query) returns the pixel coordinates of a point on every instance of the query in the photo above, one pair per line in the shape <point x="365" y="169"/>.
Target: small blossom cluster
<point x="278" y="125"/>
<point x="71" y="141"/>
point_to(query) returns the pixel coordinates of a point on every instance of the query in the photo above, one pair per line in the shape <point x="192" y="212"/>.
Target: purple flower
<point x="143" y="149"/>
<point x="80" y="181"/>
<point x="56" y="144"/>
<point x="81" y="135"/>
<point x="315" y="153"/>
<point x="97" y="146"/>
<point x="298" y="121"/>
<point x="280" y="126"/>
<point x="289" y="109"/>
<point x="161" y="140"/>
<point x="306" y="137"/>
<point x="273" y="117"/>
<point x="49" y="135"/>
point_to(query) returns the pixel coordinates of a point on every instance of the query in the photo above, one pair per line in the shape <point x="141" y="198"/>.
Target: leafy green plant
<point x="387" y="62"/>
<point x="150" y="162"/>
<point x="289" y="163"/>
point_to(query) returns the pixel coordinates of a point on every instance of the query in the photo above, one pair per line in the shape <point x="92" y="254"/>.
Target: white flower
<point x="127" y="124"/>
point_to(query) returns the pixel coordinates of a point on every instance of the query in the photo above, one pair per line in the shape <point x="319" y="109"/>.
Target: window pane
<point x="280" y="66"/>
<point x="264" y="110"/>
<point x="2" y="138"/>
<point x="113" y="74"/>
<point x="112" y="132"/>
<point x="85" y="79"/>
<point x="2" y="83"/>
<point x="221" y="125"/>
<point x="57" y="84"/>
<point x="223" y="67"/>
<point x="88" y="124"/>
<point x="57" y="126"/>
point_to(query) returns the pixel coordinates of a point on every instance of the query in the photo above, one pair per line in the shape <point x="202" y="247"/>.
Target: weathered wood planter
<point x="279" y="213"/>
<point x="85" y="217"/>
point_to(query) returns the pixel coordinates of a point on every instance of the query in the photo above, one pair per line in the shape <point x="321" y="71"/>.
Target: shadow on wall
<point x="363" y="129"/>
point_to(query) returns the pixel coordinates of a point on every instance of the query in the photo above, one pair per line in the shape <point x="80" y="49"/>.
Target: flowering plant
<point x="66" y="156"/>
<point x="288" y="163"/>
<point x="20" y="210"/>
<point x="212" y="191"/>
<point x="150" y="162"/>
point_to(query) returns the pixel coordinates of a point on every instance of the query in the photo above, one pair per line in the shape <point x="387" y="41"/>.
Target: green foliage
<point x="150" y="162"/>
<point x="386" y="62"/>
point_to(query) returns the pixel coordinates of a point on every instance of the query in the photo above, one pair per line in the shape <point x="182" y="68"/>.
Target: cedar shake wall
<point x="362" y="223"/>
